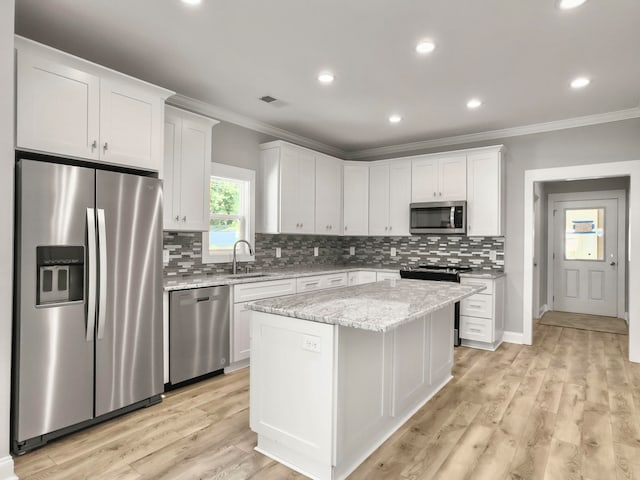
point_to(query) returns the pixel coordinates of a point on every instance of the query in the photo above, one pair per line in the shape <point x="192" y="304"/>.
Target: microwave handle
<point x="452" y="218"/>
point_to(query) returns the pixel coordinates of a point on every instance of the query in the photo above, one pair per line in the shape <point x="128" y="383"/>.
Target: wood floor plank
<point x="567" y="407"/>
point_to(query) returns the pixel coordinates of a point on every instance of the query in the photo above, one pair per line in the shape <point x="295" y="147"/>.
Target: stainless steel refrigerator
<point x="88" y="301"/>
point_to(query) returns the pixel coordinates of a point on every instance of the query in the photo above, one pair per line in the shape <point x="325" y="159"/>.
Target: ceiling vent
<point x="268" y="99"/>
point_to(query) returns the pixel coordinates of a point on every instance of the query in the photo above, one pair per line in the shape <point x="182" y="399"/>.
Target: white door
<point x="307" y="191"/>
<point x="424" y="180"/>
<point x="585" y="256"/>
<point x="328" y="195"/>
<point x="130" y="126"/>
<point x="452" y="173"/>
<point x="195" y="175"/>
<point x="289" y="206"/>
<point x="57" y="108"/>
<point x="379" y="200"/>
<point x="399" y="197"/>
<point x="356" y="199"/>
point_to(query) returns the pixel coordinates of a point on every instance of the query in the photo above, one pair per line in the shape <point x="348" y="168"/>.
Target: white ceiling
<point x="518" y="56"/>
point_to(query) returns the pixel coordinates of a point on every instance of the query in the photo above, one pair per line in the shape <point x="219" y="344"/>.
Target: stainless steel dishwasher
<point x="198" y="332"/>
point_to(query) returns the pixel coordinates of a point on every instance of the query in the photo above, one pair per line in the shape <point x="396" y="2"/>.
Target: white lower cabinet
<point x="387" y="276"/>
<point x="360" y="277"/>
<point x="482" y="314"/>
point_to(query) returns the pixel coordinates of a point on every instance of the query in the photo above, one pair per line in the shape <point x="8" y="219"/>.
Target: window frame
<point x="241" y="175"/>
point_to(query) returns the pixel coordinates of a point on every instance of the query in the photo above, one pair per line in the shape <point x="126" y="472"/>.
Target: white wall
<point x="610" y="142"/>
<point x="7" y="164"/>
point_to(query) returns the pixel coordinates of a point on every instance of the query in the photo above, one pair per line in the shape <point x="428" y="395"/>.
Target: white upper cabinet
<point x="187" y="170"/>
<point x="356" y="199"/>
<point x="288" y="188"/>
<point x="485" y="193"/>
<point x="328" y="195"/>
<point x="131" y="127"/>
<point x="70" y="107"/>
<point x="439" y="178"/>
<point x="389" y="198"/>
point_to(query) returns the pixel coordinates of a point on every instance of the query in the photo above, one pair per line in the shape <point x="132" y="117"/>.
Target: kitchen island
<point x="334" y="373"/>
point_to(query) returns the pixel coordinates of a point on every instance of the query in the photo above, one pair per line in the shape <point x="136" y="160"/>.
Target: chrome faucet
<point x="235" y="261"/>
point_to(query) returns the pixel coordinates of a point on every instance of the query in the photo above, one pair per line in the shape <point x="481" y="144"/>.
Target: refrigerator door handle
<point x="102" y="301"/>
<point x="93" y="271"/>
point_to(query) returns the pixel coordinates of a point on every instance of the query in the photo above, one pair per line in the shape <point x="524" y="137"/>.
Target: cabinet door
<point x="356" y="200"/>
<point x="452" y="173"/>
<point x="57" y="108"/>
<point x="289" y="203"/>
<point x="241" y="342"/>
<point x="195" y="175"/>
<point x="379" y="200"/>
<point x="307" y="191"/>
<point x="424" y="180"/>
<point x="484" y="209"/>
<point x="328" y="195"/>
<point x="171" y="170"/>
<point x="399" y="197"/>
<point x="130" y="126"/>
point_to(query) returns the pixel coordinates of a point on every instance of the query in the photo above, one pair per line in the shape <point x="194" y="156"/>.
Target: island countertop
<point x="378" y="307"/>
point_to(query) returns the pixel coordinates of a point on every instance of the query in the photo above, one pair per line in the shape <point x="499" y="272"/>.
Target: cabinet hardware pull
<point x="177" y="218"/>
<point x="434" y="194"/>
<point x="184" y="219"/>
<point x="94" y="145"/>
<point x="106" y="146"/>
<point x="440" y="193"/>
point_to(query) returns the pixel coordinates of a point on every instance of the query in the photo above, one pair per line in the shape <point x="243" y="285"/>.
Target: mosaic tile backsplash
<point x="185" y="252"/>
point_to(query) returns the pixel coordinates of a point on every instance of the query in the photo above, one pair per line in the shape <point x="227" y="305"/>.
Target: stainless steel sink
<point x="249" y="275"/>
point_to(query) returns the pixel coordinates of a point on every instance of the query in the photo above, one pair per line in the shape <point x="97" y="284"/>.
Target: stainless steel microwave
<point x="439" y="217"/>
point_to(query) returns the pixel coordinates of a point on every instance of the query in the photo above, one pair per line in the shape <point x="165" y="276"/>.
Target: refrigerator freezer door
<point x="129" y="353"/>
<point x="54" y="356"/>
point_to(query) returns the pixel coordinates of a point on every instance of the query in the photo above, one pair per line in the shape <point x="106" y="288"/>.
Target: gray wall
<point x="237" y="146"/>
<point x="542" y="241"/>
<point x="6" y="224"/>
<point x="610" y="142"/>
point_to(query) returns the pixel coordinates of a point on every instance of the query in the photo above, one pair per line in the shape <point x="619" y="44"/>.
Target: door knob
<point x="612" y="263"/>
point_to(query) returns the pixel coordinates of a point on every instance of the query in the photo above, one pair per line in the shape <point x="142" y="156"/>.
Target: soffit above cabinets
<point x="518" y="57"/>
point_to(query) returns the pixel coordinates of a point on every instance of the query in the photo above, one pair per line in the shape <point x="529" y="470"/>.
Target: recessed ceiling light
<point x="580" y="82"/>
<point x="569" y="4"/>
<point x="474" y="103"/>
<point x="192" y="2"/>
<point x="395" y="118"/>
<point x="326" y="78"/>
<point x="425" y="46"/>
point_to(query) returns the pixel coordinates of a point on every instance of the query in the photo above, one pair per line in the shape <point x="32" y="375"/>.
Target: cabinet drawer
<point x="339" y="280"/>
<point x="387" y="276"/>
<point x="254" y="291"/>
<point x="484" y="282"/>
<point x="309" y="284"/>
<point x="477" y="305"/>
<point x="472" y="328"/>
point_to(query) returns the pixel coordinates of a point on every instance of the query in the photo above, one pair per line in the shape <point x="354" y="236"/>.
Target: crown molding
<point x="497" y="134"/>
<point x="219" y="113"/>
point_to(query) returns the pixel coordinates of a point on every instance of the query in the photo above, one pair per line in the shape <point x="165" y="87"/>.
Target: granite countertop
<point x="201" y="281"/>
<point x="491" y="274"/>
<point x="378" y="307"/>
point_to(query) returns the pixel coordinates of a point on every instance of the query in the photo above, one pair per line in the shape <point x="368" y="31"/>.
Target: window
<point x="584" y="234"/>
<point x="231" y="214"/>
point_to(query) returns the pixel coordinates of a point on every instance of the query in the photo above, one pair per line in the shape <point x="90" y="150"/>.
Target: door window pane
<point x="584" y="234"/>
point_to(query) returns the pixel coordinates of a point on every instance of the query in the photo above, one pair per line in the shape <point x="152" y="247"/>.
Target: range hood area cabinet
<point x="439" y="178"/>
<point x="70" y="107"/>
<point x="186" y="170"/>
<point x="289" y="186"/>
<point x="389" y="198"/>
<point x="486" y="195"/>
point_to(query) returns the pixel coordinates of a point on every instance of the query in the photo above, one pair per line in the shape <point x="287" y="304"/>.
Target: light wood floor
<point x="566" y="408"/>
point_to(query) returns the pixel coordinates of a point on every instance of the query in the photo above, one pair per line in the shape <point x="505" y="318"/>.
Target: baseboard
<point x="513" y="337"/>
<point x="625" y="317"/>
<point x="6" y="469"/>
<point x="237" y="366"/>
<point x="544" y="309"/>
